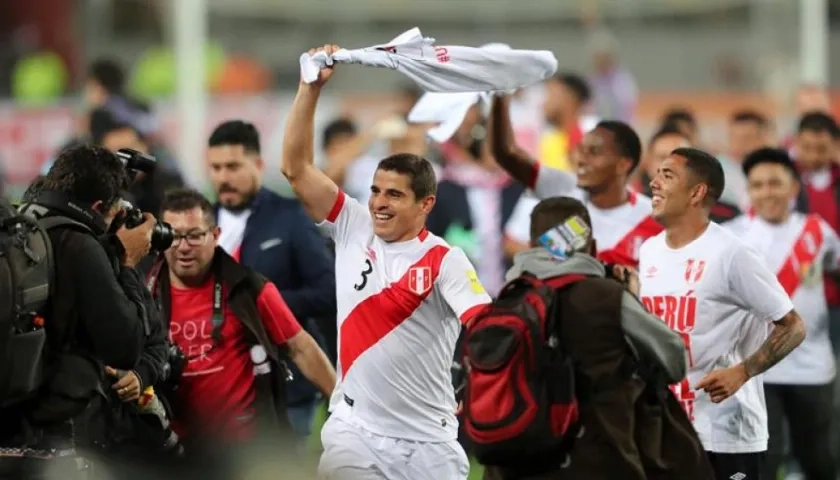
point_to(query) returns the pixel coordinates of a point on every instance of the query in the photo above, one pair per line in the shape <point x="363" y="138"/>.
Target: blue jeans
<point x="301" y="416"/>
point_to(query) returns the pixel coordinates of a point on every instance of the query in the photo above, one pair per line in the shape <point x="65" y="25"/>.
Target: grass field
<point x="315" y="442"/>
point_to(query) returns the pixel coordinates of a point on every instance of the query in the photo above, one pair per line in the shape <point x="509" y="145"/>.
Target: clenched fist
<point x="326" y="72"/>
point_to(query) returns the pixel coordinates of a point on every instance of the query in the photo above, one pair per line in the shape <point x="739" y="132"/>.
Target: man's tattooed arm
<point x="788" y="332"/>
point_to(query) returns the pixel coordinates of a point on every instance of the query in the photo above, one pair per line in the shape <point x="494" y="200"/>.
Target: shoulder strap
<point x="563" y="281"/>
<point x="49" y="223"/>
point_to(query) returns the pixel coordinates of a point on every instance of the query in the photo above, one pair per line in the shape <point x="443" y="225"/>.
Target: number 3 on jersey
<point x="365" y="272"/>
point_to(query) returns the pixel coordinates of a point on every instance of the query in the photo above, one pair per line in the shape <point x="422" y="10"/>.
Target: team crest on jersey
<point x="694" y="270"/>
<point x="419" y="279"/>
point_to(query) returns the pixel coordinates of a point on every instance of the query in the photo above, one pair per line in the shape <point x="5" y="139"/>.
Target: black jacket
<point x="94" y="317"/>
<point x="243" y="287"/>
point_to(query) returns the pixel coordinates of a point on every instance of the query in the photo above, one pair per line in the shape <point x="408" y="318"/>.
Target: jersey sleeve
<point x="346" y="217"/>
<point x="551" y="182"/>
<point x="754" y="287"/>
<point x="460" y="286"/>
<point x="278" y="320"/>
<point x="518" y="226"/>
<point x="831" y="247"/>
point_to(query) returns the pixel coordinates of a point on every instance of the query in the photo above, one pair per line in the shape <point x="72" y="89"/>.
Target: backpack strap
<point x="49" y="223"/>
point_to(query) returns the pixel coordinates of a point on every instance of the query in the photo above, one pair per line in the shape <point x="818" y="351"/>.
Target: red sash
<point x="800" y="260"/>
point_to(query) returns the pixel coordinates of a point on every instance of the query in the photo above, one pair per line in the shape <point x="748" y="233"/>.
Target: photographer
<point x="96" y="319"/>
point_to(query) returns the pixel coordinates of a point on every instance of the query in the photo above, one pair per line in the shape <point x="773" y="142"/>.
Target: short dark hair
<point x="185" y="199"/>
<point x="706" y="168"/>
<point x="87" y="173"/>
<point x="236" y="132"/>
<point x="666" y="131"/>
<point x="418" y="169"/>
<point x="778" y="156"/>
<point x="340" y="126"/>
<point x="33" y="190"/>
<point x="102" y="122"/>
<point x="818" y="122"/>
<point x="750" y="116"/>
<point x="679" y="114"/>
<point x="109" y="75"/>
<point x="576" y="83"/>
<point x="627" y="142"/>
<point x="553" y="211"/>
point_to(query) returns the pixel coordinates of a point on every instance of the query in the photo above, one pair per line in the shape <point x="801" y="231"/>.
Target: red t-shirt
<point x="217" y="388"/>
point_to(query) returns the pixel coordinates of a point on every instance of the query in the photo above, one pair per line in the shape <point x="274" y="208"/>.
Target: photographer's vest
<point x="243" y="287"/>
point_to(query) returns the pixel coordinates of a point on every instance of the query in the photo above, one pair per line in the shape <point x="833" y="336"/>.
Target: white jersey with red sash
<point x="799" y="250"/>
<point x="619" y="231"/>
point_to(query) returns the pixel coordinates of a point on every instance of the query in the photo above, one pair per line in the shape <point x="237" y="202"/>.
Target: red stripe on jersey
<point x="626" y="251"/>
<point x="380" y="313"/>
<point x="471" y="313"/>
<point x="336" y="208"/>
<point x="535" y="173"/>
<point x="237" y="253"/>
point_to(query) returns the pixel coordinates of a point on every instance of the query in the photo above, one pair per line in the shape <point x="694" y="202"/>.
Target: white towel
<point x="448" y="110"/>
<point x="443" y="68"/>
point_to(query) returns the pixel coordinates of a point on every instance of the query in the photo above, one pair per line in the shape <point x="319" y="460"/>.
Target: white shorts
<point x="352" y="453"/>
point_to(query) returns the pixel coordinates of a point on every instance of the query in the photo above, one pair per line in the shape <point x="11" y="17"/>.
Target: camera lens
<point x="162" y="236"/>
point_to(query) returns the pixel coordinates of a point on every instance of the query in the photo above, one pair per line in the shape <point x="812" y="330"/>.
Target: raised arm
<point x="544" y="181"/>
<point x="315" y="190"/>
<point x="503" y="145"/>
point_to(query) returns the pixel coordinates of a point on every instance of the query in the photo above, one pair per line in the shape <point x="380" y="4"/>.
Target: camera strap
<point x="218" y="317"/>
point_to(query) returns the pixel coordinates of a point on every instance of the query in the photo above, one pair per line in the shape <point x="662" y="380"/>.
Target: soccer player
<point x="800" y="389"/>
<point x="718" y="293"/>
<point x="402" y="294"/>
<point x="605" y="159"/>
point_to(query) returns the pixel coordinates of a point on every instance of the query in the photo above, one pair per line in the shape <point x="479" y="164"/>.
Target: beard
<point x="236" y="205"/>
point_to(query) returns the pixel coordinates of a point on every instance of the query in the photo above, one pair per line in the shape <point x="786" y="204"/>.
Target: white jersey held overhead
<point x="449" y="68"/>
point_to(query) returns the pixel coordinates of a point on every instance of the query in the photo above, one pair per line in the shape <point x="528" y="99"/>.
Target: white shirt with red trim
<point x="618" y="232"/>
<point x="719" y="294"/>
<point x="812" y="362"/>
<point x="400" y="309"/>
<point x="232" y="225"/>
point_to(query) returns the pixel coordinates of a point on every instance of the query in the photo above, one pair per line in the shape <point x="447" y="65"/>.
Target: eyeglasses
<point x="194" y="239"/>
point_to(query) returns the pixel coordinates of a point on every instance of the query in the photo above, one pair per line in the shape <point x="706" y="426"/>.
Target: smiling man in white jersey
<point x="718" y="293"/>
<point x="604" y="160"/>
<point x="402" y="294"/>
<point x="799" y="248"/>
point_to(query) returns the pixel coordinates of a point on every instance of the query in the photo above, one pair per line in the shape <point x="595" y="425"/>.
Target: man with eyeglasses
<point x="227" y="320"/>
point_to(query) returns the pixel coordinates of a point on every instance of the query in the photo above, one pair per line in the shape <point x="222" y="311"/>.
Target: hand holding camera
<point x="137" y="240"/>
<point x="140" y="232"/>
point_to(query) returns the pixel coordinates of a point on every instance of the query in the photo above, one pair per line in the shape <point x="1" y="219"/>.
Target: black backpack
<point x="26" y="277"/>
<point x="520" y="404"/>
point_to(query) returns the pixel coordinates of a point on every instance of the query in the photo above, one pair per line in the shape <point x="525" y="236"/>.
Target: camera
<point x="137" y="162"/>
<point x="174" y="368"/>
<point x="162" y="235"/>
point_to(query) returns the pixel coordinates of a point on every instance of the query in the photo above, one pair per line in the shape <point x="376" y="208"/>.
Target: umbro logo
<point x="738" y="476"/>
<point x="650" y="272"/>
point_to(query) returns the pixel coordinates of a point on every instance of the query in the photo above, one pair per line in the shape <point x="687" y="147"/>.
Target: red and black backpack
<point x="520" y="408"/>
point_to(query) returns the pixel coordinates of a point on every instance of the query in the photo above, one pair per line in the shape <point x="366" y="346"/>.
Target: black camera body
<point x="176" y="361"/>
<point x="137" y="162"/>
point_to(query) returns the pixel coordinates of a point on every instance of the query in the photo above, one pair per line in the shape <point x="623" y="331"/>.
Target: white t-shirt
<point x="618" y="232"/>
<point x="232" y="225"/>
<point x="400" y="308"/>
<point x="718" y="293"/>
<point x="812" y="362"/>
